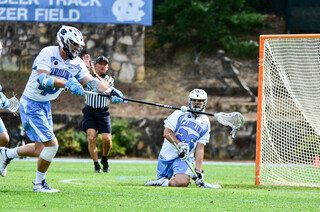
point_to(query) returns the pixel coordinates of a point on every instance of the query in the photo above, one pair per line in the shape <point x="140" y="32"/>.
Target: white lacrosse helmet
<point x="198" y="94"/>
<point x="70" y="39"/>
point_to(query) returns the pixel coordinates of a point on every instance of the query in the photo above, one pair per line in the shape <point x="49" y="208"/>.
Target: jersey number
<point x="46" y="91"/>
<point x="183" y="136"/>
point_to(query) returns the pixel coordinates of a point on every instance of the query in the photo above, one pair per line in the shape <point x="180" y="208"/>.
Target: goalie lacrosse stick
<point x="13" y="104"/>
<point x="195" y="176"/>
<point x="235" y="120"/>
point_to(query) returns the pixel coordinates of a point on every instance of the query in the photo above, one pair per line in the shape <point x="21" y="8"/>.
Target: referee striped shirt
<point x="96" y="101"/>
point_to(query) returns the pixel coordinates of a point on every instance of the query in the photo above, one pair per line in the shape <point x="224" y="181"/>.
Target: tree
<point x="209" y="25"/>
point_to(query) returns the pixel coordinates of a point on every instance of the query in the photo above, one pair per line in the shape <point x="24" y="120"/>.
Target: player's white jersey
<point x="188" y="130"/>
<point x="49" y="59"/>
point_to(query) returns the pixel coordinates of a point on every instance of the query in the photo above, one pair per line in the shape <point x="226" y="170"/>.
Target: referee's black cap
<point x="102" y="58"/>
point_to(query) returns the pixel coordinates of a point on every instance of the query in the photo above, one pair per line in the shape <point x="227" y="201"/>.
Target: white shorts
<point x="169" y="168"/>
<point x="36" y="119"/>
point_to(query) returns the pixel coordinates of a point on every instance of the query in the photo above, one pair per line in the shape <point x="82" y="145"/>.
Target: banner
<point x="78" y="11"/>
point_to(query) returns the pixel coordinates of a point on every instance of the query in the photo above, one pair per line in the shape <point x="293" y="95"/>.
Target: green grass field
<point x="122" y="190"/>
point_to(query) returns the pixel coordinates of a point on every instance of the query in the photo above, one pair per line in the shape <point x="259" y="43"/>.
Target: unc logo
<point x="128" y="10"/>
<point x="55" y="62"/>
<point x="49" y="133"/>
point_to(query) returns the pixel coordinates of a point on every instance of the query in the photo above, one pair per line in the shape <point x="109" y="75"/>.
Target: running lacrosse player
<point x="96" y="114"/>
<point x="191" y="132"/>
<point x="4" y="104"/>
<point x="53" y="70"/>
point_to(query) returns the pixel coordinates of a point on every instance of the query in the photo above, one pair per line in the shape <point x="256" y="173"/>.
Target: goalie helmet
<point x="70" y="39"/>
<point x="198" y="94"/>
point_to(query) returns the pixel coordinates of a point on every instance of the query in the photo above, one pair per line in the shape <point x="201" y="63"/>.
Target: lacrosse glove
<point x="184" y="151"/>
<point x="199" y="177"/>
<point x="4" y="102"/>
<point x="75" y="87"/>
<point x="116" y="96"/>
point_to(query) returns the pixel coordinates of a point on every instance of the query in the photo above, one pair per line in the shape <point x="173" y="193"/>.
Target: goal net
<point x="288" y="122"/>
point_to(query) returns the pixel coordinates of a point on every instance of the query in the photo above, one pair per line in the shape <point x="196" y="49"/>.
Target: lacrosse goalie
<point x="191" y="132"/>
<point x="53" y="70"/>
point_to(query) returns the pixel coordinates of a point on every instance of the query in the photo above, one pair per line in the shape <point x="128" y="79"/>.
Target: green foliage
<point x="68" y="145"/>
<point x="81" y="137"/>
<point x="123" y="136"/>
<point x="308" y="146"/>
<point x="209" y="25"/>
<point x="72" y="142"/>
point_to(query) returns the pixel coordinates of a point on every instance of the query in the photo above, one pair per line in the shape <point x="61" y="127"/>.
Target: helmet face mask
<point x="70" y="40"/>
<point x="198" y="100"/>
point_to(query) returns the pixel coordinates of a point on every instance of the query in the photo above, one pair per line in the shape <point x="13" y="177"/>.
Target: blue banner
<point x="78" y="11"/>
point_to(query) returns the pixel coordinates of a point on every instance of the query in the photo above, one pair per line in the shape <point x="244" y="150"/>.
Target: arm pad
<point x="92" y="84"/>
<point x="46" y="80"/>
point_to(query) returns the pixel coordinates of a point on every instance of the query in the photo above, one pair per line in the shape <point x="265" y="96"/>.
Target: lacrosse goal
<point x="288" y="119"/>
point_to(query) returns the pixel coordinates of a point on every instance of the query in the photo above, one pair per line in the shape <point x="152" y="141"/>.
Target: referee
<point x="96" y="115"/>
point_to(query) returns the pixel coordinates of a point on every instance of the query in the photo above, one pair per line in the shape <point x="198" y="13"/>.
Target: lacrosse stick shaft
<point x="219" y="116"/>
<point x="202" y="184"/>
<point x="150" y="103"/>
<point x="176" y="146"/>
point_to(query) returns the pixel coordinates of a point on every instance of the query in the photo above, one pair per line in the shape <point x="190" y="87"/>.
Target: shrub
<point x="73" y="142"/>
<point x="123" y="136"/>
<point x="209" y="25"/>
<point x="68" y="145"/>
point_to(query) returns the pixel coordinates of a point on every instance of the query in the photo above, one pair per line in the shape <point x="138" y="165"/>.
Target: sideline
<point x="80" y="160"/>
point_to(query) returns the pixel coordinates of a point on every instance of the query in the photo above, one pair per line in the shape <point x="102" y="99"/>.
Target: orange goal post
<point x="288" y="116"/>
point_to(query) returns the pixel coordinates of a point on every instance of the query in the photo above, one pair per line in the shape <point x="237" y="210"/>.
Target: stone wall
<point x="122" y="44"/>
<point x="221" y="145"/>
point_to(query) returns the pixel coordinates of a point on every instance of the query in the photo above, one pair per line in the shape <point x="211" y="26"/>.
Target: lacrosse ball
<point x="184" y="109"/>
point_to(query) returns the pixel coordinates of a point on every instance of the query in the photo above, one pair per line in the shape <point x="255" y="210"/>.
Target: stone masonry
<point x="122" y="44"/>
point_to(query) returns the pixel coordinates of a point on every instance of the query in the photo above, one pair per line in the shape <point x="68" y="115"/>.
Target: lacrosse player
<point x="191" y="132"/>
<point x="96" y="115"/>
<point x="4" y="137"/>
<point x="232" y="72"/>
<point x="53" y="70"/>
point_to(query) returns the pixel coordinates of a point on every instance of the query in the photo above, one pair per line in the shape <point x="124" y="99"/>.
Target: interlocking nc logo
<point x="128" y="10"/>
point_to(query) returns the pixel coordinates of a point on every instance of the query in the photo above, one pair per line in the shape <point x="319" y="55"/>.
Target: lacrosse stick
<point x="13" y="104"/>
<point x="195" y="176"/>
<point x="235" y="120"/>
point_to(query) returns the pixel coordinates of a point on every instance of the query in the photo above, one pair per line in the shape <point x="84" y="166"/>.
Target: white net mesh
<point x="290" y="126"/>
<point x="234" y="120"/>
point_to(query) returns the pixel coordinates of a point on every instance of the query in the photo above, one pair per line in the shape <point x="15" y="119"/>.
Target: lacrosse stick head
<point x="234" y="120"/>
<point x="13" y="105"/>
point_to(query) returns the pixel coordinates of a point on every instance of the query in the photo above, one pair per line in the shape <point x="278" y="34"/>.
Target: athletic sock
<point x="165" y="183"/>
<point x="12" y="153"/>
<point x="104" y="158"/>
<point x="96" y="165"/>
<point x="39" y="177"/>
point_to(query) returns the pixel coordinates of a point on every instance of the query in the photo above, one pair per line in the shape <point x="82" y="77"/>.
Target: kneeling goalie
<point x="191" y="132"/>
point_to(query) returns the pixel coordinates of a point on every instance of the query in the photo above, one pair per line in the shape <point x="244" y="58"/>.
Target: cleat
<point x="44" y="187"/>
<point x="97" y="168"/>
<point x="105" y="165"/>
<point x="157" y="182"/>
<point x="4" y="161"/>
